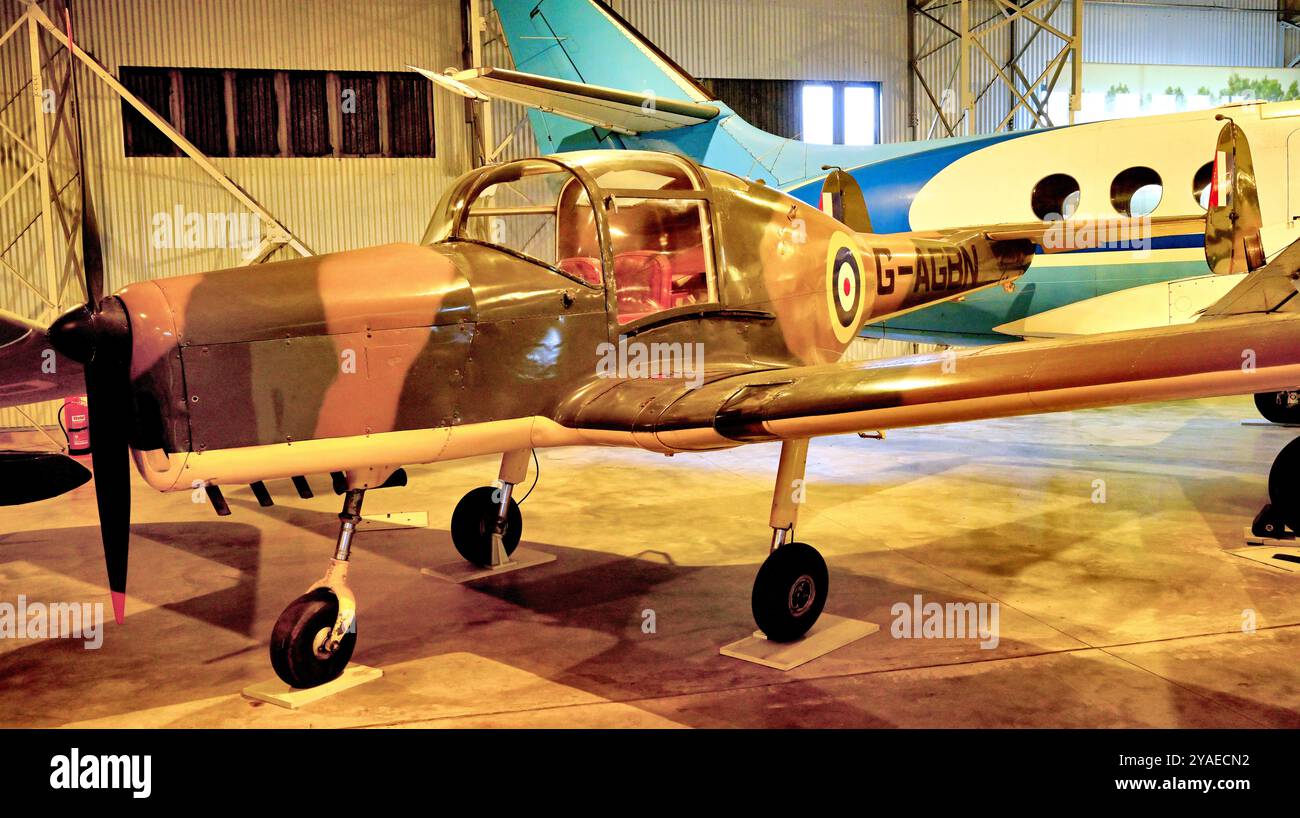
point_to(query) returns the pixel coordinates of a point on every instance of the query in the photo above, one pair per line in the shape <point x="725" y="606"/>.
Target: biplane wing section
<point x="609" y="108"/>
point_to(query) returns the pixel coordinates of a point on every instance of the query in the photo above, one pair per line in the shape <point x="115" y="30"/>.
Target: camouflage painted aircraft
<point x="603" y="298"/>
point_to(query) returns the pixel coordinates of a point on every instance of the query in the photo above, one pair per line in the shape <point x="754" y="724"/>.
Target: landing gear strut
<point x="790" y="589"/>
<point x="486" y="524"/>
<point x="314" y="637"/>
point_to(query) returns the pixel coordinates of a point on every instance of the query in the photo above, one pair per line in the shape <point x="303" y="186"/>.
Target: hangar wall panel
<point x="787" y="39"/>
<point x="1183" y="32"/>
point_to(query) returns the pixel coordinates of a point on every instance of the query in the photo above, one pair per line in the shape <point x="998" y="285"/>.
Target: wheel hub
<point x="802" y="593"/>
<point x="318" y="644"/>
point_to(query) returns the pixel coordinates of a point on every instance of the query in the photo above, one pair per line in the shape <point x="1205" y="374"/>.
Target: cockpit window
<point x="659" y="174"/>
<point x="656" y="210"/>
<point x="661" y="257"/>
<point x="521" y="210"/>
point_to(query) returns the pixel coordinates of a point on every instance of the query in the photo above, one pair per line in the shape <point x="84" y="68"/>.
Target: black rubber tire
<point x="790" y="592"/>
<point x="1284" y="484"/>
<point x="1275" y="407"/>
<point x="293" y="653"/>
<point x="473" y="521"/>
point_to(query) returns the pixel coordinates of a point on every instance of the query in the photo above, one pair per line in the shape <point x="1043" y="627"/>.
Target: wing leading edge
<point x="1228" y="356"/>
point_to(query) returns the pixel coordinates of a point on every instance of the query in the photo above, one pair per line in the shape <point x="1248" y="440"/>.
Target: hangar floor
<point x="1122" y="613"/>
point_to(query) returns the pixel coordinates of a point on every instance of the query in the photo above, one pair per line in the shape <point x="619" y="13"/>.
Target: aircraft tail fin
<point x="1233" y="220"/>
<point x="585" y="42"/>
<point x="588" y="42"/>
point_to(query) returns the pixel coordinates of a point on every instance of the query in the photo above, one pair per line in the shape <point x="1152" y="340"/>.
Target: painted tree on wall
<point x="1265" y="88"/>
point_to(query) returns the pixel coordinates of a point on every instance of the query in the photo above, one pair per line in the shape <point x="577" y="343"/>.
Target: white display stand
<point x="1281" y="554"/>
<point x="458" y="570"/>
<point x="830" y="633"/>
<point x="280" y="694"/>
<point x="393" y="520"/>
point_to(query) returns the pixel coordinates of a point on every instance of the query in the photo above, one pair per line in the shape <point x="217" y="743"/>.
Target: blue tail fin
<point x="586" y="41"/>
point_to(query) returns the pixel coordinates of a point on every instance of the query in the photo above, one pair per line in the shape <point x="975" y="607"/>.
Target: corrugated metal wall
<point x="330" y="204"/>
<point x="867" y="40"/>
<point x="787" y="39"/>
<point x="1183" y="32"/>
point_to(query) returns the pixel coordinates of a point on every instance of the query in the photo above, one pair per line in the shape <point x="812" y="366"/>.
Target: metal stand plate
<point x="280" y="694"/>
<point x="830" y="633"/>
<point x="458" y="570"/>
<point x="1280" y="554"/>
<point x="394" y="520"/>
<point x="1269" y="423"/>
<point x="1256" y="540"/>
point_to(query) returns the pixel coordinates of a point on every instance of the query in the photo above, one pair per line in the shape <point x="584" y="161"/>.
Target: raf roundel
<point x="844" y="296"/>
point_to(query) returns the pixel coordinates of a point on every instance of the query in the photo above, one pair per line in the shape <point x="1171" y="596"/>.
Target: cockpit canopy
<point x="649" y="235"/>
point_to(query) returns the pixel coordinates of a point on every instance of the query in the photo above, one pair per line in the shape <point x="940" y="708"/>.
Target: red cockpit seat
<point x="585" y="268"/>
<point x="644" y="281"/>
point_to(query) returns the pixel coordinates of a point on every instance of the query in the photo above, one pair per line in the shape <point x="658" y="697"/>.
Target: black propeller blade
<point x="98" y="335"/>
<point x="101" y="342"/>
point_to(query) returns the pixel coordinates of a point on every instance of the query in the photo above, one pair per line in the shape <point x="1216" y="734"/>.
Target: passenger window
<point x="1136" y="191"/>
<point x="661" y="255"/>
<point x="1201" y="185"/>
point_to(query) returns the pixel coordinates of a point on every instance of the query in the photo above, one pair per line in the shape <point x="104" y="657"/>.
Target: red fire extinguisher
<point x="74" y="417"/>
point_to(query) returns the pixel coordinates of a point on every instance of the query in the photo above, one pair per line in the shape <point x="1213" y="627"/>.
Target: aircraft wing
<point x="1226" y="356"/>
<point x="610" y="108"/>
<point x="30" y="370"/>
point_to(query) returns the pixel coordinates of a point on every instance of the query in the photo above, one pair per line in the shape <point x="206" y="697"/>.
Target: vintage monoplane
<point x="488" y="337"/>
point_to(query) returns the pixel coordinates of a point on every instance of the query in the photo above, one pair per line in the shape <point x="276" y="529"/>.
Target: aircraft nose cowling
<point x="386" y="287"/>
<point x="319" y="347"/>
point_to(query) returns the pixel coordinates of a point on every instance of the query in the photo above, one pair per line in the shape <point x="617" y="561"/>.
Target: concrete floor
<point x="1123" y="613"/>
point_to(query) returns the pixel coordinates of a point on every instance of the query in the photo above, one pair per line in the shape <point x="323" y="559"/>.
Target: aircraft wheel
<point x="1284" y="484"/>
<point x="1279" y="407"/>
<point x="789" y="591"/>
<point x="474" y="520"/>
<point x="299" y="632"/>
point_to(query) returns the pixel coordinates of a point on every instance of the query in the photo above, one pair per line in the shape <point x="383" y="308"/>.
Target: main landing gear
<point x="1279" y="407"/>
<point x="790" y="589"/>
<point x="486" y="524"/>
<point x="1279" y="519"/>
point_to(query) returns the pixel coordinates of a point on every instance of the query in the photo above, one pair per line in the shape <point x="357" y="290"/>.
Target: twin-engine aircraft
<point x="604" y="298"/>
